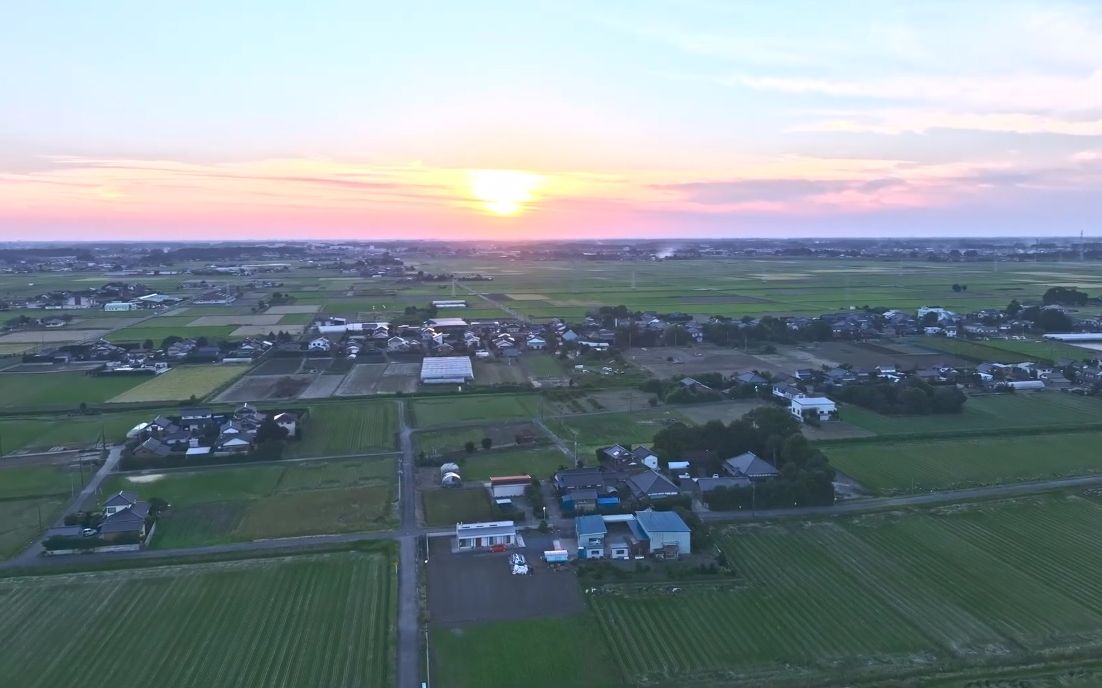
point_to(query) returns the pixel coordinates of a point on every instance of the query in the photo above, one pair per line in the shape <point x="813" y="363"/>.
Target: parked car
<point x="89" y="532"/>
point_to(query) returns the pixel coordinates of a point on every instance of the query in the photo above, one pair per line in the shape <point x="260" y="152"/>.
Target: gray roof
<point x="641" y="452"/>
<point x="195" y="412"/>
<point x="574" y="478"/>
<point x="125" y="521"/>
<point x="660" y="522"/>
<point x="750" y="465"/>
<point x="705" y="485"/>
<point x="122" y="498"/>
<point x="652" y="484"/>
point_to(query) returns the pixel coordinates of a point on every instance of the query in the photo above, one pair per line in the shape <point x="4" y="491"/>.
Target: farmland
<point x="603" y="429"/>
<point x="444" y="411"/>
<point x="63" y="390"/>
<point x="539" y="463"/>
<point x="348" y="428"/>
<point x="44" y="432"/>
<point x="470" y="657"/>
<point x="180" y="383"/>
<point x="217" y="505"/>
<point x="448" y="506"/>
<point x="31" y="498"/>
<point x="873" y="596"/>
<point x="1006" y="350"/>
<point x="327" y="619"/>
<point x="935" y="464"/>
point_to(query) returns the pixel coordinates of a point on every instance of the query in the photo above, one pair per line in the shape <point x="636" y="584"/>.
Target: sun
<point x="503" y="192"/>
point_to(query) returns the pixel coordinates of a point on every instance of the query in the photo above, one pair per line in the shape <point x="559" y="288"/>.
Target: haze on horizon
<point x="272" y="120"/>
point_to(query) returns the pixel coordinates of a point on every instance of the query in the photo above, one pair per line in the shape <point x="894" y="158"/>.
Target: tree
<point x="147" y="344"/>
<point x="270" y="431"/>
<point x="1013" y="308"/>
<point x="487" y="443"/>
<point x="1064" y="296"/>
<point x="956" y="288"/>
<point x="469" y="447"/>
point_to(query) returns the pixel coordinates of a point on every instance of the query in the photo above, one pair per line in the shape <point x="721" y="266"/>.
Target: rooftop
<point x="661" y="522"/>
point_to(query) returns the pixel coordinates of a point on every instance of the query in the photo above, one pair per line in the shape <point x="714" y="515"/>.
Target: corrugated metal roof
<point x="660" y="522"/>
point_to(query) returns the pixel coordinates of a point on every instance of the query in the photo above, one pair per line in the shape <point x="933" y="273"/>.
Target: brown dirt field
<point x="702" y="358"/>
<point x="499" y="372"/>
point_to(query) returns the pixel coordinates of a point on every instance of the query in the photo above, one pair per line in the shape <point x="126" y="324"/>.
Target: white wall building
<point x="824" y="408"/>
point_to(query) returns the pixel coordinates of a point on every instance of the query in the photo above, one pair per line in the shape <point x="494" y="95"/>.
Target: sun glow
<point x="503" y="192"/>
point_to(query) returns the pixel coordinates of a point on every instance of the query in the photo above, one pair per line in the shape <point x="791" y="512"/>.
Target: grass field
<point x="348" y="428"/>
<point x="873" y="596"/>
<point x="317" y="620"/>
<point x="933" y="464"/>
<point x="1006" y="351"/>
<point x="182" y="383"/>
<point x="22" y="521"/>
<point x="35" y="481"/>
<point x="543" y="365"/>
<point x="144" y="331"/>
<point x="430" y="412"/>
<point x="44" y="432"/>
<point x="603" y="429"/>
<point x="217" y="505"/>
<point x="992" y="412"/>
<point x="448" y="506"/>
<point x="472" y="657"/>
<point x="538" y="463"/>
<point x="68" y="390"/>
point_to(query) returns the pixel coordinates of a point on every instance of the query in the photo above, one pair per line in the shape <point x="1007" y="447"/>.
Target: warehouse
<point x="664" y="532"/>
<point x="446" y="370"/>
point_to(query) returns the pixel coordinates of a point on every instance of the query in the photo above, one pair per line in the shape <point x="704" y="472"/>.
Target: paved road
<point x="930" y="498"/>
<point x="32" y="553"/>
<point x="409" y="655"/>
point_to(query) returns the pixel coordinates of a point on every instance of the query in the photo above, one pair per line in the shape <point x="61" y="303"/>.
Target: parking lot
<point x="474" y="587"/>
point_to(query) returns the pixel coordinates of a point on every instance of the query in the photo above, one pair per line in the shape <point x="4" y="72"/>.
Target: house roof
<point x="652" y="484"/>
<point x="125" y="521"/>
<point x="749" y="464"/>
<point x="590" y="525"/>
<point x="123" y="498"/>
<point x="572" y="478"/>
<point x="709" y="484"/>
<point x="195" y="412"/>
<point x="660" y="522"/>
<point x="155" y="446"/>
<point x="641" y="452"/>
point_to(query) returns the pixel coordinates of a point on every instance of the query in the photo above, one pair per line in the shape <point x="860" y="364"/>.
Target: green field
<point x="182" y="383"/>
<point x="216" y="505"/>
<point x="348" y="428"/>
<point x="543" y="365"/>
<point x="472" y="657"/>
<point x="310" y="620"/>
<point x="873" y="596"/>
<point x="1007" y="351"/>
<point x="603" y="429"/>
<point x="149" y="330"/>
<point x="538" y="463"/>
<point x="448" y="506"/>
<point x="22" y="521"/>
<point x="444" y="411"/>
<point x="938" y="464"/>
<point x="44" y="432"/>
<point x="34" y="481"/>
<point x="1047" y="409"/>
<point x="67" y="390"/>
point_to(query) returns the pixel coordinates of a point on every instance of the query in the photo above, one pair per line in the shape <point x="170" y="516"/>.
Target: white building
<point x="119" y="306"/>
<point x="803" y="407"/>
<point x="509" y="485"/>
<point x="470" y="536"/>
<point x="446" y="370"/>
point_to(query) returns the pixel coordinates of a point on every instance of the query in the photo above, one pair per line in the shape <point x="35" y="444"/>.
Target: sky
<point x="534" y="120"/>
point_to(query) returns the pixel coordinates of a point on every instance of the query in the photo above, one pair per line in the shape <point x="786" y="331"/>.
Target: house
<point x="750" y="465"/>
<point x="664" y="533"/>
<point x="705" y="485"/>
<point x="787" y="391"/>
<point x="569" y="336"/>
<point x="821" y="408"/>
<point x="805" y="374"/>
<point x="537" y="343"/>
<point x="652" y="485"/>
<point x="118" y="502"/>
<point x="591" y="532"/>
<point x="645" y="456"/>
<point x="509" y="485"/>
<point x="195" y="417"/>
<point x="233" y="444"/>
<point x="470" y="536"/>
<point x="750" y="378"/>
<point x="152" y="448"/>
<point x="614" y="453"/>
<point x="579" y="478"/>
<point x="129" y="521"/>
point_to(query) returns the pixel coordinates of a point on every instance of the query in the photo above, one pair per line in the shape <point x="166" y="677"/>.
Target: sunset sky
<point x="531" y="120"/>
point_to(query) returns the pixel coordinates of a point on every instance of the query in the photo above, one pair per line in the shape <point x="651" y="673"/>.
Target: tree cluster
<point x="913" y="397"/>
<point x="1064" y="296"/>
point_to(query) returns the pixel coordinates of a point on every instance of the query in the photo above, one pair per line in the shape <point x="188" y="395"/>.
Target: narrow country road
<point x="32" y="553"/>
<point x="409" y="668"/>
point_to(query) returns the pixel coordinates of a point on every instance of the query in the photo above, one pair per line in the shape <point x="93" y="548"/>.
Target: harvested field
<point x="703" y="358"/>
<point x="266" y="387"/>
<point x="181" y="383"/>
<point x="262" y="330"/>
<point x="323" y="387"/>
<point x="499" y="373"/>
<point x="50" y="336"/>
<point x="364" y="379"/>
<point x="218" y="320"/>
<point x="288" y="365"/>
<point x="348" y="428"/>
<point x="293" y="309"/>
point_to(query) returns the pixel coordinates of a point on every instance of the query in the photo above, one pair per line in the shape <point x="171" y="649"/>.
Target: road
<point x="409" y="645"/>
<point x="32" y="554"/>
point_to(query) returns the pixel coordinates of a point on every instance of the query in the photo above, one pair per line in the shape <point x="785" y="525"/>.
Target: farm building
<point x="509" y="485"/>
<point x="119" y="306"/>
<point x="1024" y="385"/>
<point x="664" y="531"/>
<point x="447" y="323"/>
<point x="821" y="407"/>
<point x="446" y="370"/>
<point x="470" y="536"/>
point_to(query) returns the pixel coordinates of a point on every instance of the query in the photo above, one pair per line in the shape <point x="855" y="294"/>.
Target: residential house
<point x="118" y="502"/>
<point x="152" y="448"/>
<point x="652" y="485"/>
<point x="750" y="378"/>
<point x="321" y="344"/>
<point x="787" y="391"/>
<point x="486" y="535"/>
<point x="820" y="408"/>
<point x="194" y="418"/>
<point x="750" y="465"/>
<point x="703" y="486"/>
<point x="645" y="456"/>
<point x="590" y="532"/>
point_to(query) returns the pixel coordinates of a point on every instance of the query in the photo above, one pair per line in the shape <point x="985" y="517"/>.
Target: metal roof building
<point x="488" y="534"/>
<point x="446" y="370"/>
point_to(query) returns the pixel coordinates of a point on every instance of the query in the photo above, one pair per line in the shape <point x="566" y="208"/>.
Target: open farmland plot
<point x="149" y="330"/>
<point x="73" y="432"/>
<point x="602" y="429"/>
<point x="461" y="409"/>
<point x="59" y="336"/>
<point x="219" y="505"/>
<point x="448" y="506"/>
<point x="182" y="383"/>
<point x="311" y="620"/>
<point x="62" y="390"/>
<point x="867" y="598"/>
<point x="348" y="428"/>
<point x="935" y="464"/>
<point x="538" y="463"/>
<point x="990" y="412"/>
<point x="23" y="520"/>
<point x="1006" y="350"/>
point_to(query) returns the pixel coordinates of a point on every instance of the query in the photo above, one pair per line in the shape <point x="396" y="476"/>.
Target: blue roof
<point x="660" y="522"/>
<point x="590" y="525"/>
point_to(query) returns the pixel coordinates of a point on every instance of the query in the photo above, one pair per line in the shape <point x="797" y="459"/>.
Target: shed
<point x="663" y="529"/>
<point x="591" y="532"/>
<point x="509" y="485"/>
